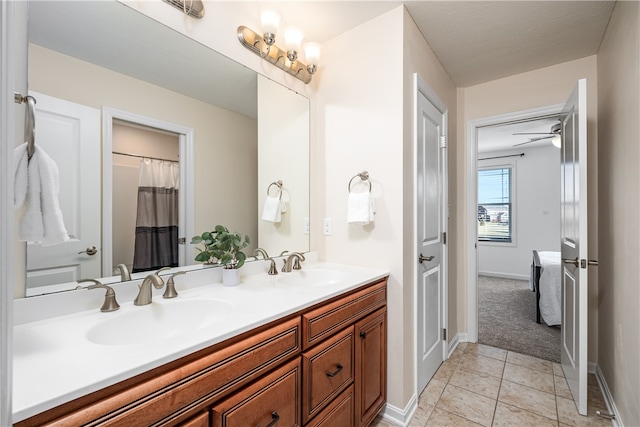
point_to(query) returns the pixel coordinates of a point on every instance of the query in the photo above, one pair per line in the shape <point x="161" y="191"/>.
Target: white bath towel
<point x="360" y="208"/>
<point x="42" y="220"/>
<point x="272" y="210"/>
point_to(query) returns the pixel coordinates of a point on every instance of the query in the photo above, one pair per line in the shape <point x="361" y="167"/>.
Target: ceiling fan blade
<point x="533" y="133"/>
<point x="532" y="140"/>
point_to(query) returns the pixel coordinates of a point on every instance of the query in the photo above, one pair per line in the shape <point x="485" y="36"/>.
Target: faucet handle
<point x="110" y="303"/>
<point x="273" y="270"/>
<point x="170" y="290"/>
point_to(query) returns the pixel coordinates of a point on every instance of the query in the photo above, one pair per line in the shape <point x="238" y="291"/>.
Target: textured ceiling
<point x="479" y="41"/>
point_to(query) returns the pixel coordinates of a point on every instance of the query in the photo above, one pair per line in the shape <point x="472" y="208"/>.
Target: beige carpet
<point x="507" y="319"/>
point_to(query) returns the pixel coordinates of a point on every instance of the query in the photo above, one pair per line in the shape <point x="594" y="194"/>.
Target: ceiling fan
<point x="554" y="135"/>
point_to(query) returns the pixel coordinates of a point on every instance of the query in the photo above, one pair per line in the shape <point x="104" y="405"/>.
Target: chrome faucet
<point x="110" y="303"/>
<point x="125" y="275"/>
<point x="144" y="295"/>
<point x="293" y="262"/>
<point x="273" y="270"/>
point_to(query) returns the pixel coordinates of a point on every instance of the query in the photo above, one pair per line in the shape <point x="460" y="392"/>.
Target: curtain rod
<point x="144" y="157"/>
<point x="502" y="157"/>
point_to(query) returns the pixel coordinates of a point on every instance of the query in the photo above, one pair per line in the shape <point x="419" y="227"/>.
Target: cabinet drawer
<point x="327" y="370"/>
<point x="320" y="323"/>
<point x="272" y="400"/>
<point x="340" y="412"/>
<point x="201" y="420"/>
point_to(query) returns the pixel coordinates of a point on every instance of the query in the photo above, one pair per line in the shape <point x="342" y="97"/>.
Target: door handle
<point x="89" y="251"/>
<point x="425" y="258"/>
<point x="575" y="262"/>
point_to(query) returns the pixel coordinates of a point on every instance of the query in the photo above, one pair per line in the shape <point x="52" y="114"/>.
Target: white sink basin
<point x="311" y="277"/>
<point x="158" y="321"/>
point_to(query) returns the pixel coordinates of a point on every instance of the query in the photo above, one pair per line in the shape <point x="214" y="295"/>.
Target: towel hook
<point x="277" y="183"/>
<point x="364" y="176"/>
<point x="29" y="120"/>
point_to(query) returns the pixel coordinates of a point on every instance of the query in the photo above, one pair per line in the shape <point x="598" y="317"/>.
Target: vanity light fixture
<point x="287" y="60"/>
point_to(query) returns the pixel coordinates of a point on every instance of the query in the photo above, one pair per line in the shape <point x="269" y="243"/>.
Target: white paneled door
<point x="70" y="134"/>
<point x="431" y="227"/>
<point x="574" y="244"/>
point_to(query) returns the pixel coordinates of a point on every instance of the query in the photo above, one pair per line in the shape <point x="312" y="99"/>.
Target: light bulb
<point x="270" y="21"/>
<point x="312" y="56"/>
<point x="292" y="40"/>
<point x="556" y="141"/>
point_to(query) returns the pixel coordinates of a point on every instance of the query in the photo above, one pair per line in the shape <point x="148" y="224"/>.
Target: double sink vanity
<point x="301" y="348"/>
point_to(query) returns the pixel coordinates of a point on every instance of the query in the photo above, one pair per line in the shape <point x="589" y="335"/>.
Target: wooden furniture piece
<point x="323" y="366"/>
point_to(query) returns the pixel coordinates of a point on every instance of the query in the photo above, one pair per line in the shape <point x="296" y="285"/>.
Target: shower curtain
<point x="156" y="241"/>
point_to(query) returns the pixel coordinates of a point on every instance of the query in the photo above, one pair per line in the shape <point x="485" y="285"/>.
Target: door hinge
<point x="444" y="237"/>
<point x="444" y="334"/>
<point x="443" y="141"/>
<point x="182" y="241"/>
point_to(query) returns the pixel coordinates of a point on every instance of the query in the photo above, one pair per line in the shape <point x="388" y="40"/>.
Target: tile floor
<point x="487" y="386"/>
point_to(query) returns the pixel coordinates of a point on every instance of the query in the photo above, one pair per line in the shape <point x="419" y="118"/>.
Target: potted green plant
<point x="224" y="248"/>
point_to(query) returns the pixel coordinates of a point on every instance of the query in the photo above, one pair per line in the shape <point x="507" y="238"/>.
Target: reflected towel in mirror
<point x="273" y="209"/>
<point x="37" y="186"/>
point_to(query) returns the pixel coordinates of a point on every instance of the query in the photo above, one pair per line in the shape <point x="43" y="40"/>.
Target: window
<point x="494" y="205"/>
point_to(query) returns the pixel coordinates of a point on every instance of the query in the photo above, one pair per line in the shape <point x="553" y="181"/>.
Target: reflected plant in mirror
<point x="108" y="81"/>
<point x="222" y="247"/>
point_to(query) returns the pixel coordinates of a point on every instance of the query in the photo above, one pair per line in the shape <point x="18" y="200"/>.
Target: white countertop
<point x="55" y="362"/>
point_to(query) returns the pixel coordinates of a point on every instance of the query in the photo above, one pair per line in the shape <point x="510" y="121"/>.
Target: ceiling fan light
<point x="556" y="141"/>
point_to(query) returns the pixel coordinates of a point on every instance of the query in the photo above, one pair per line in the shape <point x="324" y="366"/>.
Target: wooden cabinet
<point x="323" y="366"/>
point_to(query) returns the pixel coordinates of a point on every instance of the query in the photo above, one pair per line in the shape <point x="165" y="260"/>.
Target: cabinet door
<point x="269" y="401"/>
<point x="371" y="366"/>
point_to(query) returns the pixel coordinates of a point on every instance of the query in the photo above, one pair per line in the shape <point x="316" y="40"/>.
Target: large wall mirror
<point x="112" y="98"/>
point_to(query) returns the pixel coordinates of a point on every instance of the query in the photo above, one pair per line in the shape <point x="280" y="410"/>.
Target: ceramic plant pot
<point x="230" y="277"/>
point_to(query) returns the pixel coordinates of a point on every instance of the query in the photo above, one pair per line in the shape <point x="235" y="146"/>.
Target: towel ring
<point x="29" y="120"/>
<point x="364" y="176"/>
<point x="276" y="183"/>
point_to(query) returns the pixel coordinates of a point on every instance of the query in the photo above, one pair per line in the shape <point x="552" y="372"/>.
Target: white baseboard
<point x="400" y="416"/>
<point x="453" y="344"/>
<point x="608" y="398"/>
<point x="503" y="275"/>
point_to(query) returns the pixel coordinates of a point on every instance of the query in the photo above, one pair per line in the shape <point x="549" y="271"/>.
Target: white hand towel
<point x="54" y="230"/>
<point x="360" y="208"/>
<point x="21" y="161"/>
<point x="272" y="210"/>
<point x="42" y="220"/>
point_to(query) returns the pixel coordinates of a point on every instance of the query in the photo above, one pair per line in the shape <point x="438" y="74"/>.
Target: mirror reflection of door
<point x="145" y="199"/>
<point x="69" y="133"/>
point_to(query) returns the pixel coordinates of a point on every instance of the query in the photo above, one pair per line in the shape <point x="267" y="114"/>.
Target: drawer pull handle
<point x="336" y="372"/>
<point x="275" y="417"/>
<point x="363" y="335"/>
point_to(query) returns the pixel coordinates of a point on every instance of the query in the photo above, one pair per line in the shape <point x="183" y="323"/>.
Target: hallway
<point x="486" y="386"/>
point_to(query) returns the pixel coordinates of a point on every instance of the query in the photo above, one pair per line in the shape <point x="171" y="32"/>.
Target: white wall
<point x="536" y="212"/>
<point x="360" y="109"/>
<point x="283" y="150"/>
<point x="619" y="252"/>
